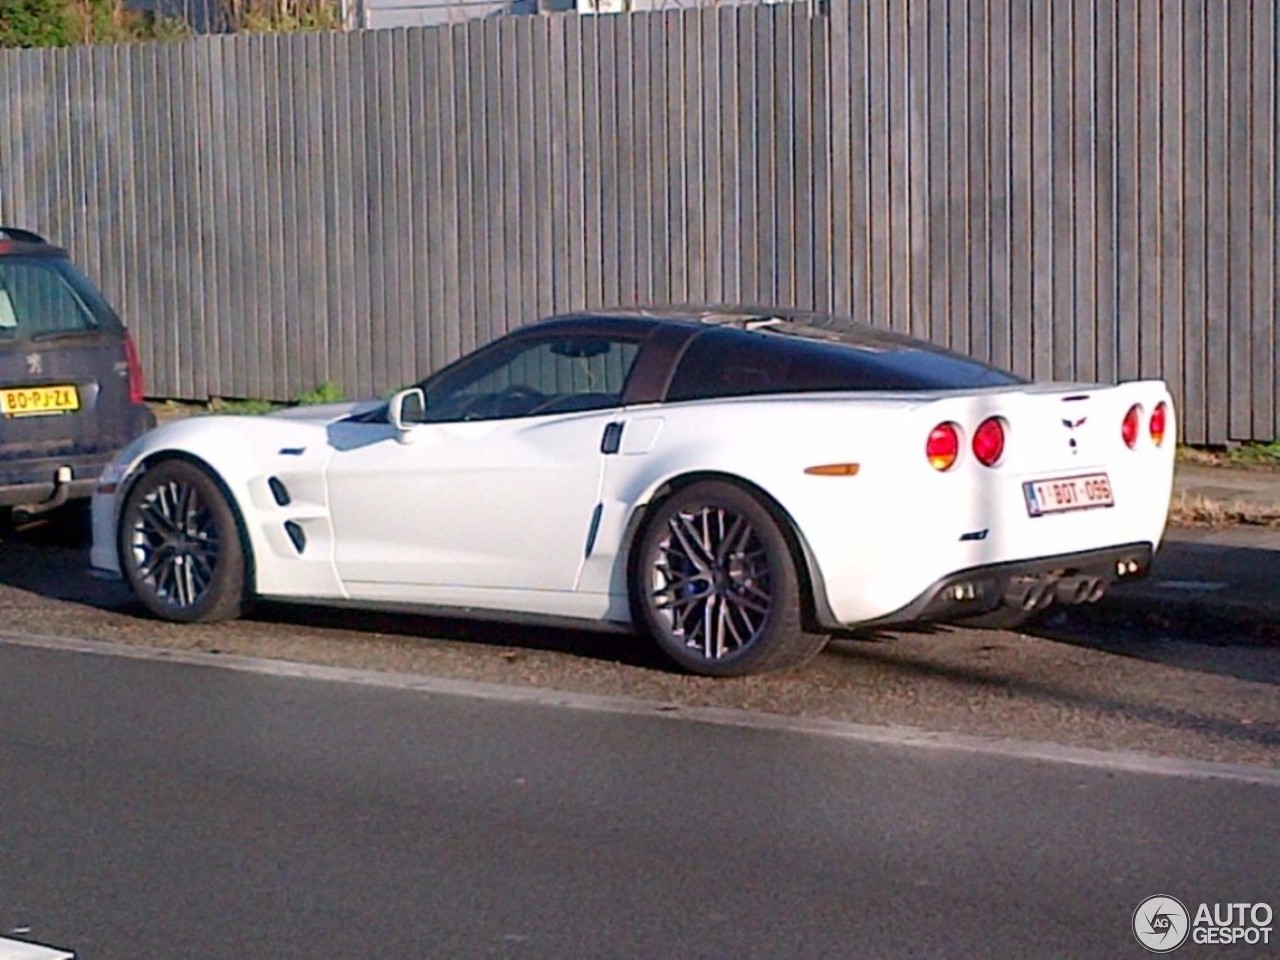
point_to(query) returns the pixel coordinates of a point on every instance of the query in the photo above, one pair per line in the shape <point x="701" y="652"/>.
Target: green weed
<point x="327" y="392"/>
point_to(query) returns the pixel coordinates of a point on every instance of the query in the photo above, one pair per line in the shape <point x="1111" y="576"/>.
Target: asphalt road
<point x="155" y="809"/>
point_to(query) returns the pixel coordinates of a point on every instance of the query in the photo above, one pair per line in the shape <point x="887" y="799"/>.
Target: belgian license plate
<point x="31" y="401"/>
<point x="1084" y="492"/>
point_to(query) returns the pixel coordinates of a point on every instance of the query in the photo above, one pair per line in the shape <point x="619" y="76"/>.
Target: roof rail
<point x="22" y="236"/>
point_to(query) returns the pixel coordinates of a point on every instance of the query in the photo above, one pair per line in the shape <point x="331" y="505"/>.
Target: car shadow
<point x="1190" y="641"/>
<point x="50" y="558"/>
<point x="981" y="678"/>
<point x="609" y="646"/>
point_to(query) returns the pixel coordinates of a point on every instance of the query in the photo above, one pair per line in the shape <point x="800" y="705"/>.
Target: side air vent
<point x="296" y="534"/>
<point x="279" y="491"/>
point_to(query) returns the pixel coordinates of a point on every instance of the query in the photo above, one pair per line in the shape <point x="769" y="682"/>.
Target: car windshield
<point x="44" y="296"/>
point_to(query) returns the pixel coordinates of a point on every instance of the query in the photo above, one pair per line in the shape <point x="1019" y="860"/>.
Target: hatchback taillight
<point x="1159" y="422"/>
<point x="135" y="369"/>
<point x="943" y="446"/>
<point x="988" y="441"/>
<point x="1132" y="424"/>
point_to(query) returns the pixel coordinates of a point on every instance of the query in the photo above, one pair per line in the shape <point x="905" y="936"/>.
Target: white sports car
<point x="737" y="484"/>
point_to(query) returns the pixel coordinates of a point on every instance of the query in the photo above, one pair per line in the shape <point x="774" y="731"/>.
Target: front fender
<point x="244" y="455"/>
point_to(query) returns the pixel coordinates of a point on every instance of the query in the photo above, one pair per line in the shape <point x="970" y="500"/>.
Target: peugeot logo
<point x="35" y="364"/>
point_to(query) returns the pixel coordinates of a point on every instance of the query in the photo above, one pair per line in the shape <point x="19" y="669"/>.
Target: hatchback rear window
<point x="43" y="296"/>
<point x="729" y="362"/>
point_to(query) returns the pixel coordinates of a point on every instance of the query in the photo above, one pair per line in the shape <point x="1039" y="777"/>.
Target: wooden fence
<point x="1074" y="188"/>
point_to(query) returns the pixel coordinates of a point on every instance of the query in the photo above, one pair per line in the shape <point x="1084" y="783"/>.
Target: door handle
<point x="611" y="442"/>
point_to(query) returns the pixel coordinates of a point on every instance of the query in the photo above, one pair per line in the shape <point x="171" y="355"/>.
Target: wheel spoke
<point x="734" y="540"/>
<point x="154" y="515"/>
<point x="745" y="603"/>
<point x="692" y="536"/>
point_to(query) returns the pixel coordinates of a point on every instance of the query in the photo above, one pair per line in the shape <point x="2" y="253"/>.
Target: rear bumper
<point x="37" y="483"/>
<point x="982" y="589"/>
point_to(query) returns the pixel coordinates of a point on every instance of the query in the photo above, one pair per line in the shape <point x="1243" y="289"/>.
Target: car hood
<point x="326" y="413"/>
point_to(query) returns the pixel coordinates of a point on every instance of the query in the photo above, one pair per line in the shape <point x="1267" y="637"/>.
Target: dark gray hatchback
<point x="70" y="382"/>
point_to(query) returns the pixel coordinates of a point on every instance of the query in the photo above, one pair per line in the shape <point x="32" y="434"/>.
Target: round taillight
<point x="988" y="441"/>
<point x="1132" y="423"/>
<point x="943" y="446"/>
<point x="1159" y="422"/>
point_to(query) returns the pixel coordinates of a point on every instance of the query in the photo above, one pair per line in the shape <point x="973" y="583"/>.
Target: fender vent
<point x="279" y="491"/>
<point x="296" y="534"/>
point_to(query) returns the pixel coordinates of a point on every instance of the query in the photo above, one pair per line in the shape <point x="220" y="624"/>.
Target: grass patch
<point x="241" y="408"/>
<point x="1256" y="454"/>
<point x="327" y="392"/>
<point x="1264" y="456"/>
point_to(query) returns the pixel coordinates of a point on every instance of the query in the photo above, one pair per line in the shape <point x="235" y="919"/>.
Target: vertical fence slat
<point x="1060" y="174"/>
<point x="976" y="309"/>
<point x="897" y="156"/>
<point x="1194" y="228"/>
<point x="591" y="81"/>
<point x="417" y="155"/>
<point x="1262" y="239"/>
<point x="879" y="236"/>
<point x="538" y="206"/>
<point x="1084" y="316"/>
<point x="275" y="239"/>
<point x="1021" y="166"/>
<point x="657" y="242"/>
<point x="1105" y="175"/>
<point x="1217" y="313"/>
<point x="999" y="151"/>
<point x="1239" y="258"/>
<point x="764" y="252"/>
<point x="950" y="324"/>
<point x="627" y="168"/>
<point x="1172" y="214"/>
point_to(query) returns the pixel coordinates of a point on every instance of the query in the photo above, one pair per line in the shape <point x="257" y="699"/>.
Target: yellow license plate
<point x="30" y="401"/>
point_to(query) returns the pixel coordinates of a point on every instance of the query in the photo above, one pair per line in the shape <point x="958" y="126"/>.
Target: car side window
<point x="561" y="374"/>
<point x="35" y="298"/>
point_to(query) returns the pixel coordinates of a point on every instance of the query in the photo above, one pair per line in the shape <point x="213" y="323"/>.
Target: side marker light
<point x="834" y="470"/>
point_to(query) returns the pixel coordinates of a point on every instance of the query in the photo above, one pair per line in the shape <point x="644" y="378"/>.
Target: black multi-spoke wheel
<point x="180" y="547"/>
<point x="714" y="583"/>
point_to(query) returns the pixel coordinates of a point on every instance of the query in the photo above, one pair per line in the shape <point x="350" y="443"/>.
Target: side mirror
<point x="406" y="410"/>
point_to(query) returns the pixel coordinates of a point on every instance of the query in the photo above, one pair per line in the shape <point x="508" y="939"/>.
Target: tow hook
<point x="25" y="512"/>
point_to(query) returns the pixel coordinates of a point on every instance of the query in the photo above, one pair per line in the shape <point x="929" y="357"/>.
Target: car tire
<point x="714" y="583"/>
<point x="180" y="545"/>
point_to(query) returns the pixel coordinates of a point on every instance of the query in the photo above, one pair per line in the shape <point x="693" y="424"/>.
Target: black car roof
<point x="808" y="324"/>
<point x="15" y="241"/>
<point x="811" y="352"/>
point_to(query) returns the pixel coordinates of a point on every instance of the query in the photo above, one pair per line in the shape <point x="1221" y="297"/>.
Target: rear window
<point x="731" y="362"/>
<point x="41" y="296"/>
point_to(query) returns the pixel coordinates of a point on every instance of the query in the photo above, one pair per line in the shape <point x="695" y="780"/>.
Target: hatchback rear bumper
<point x="42" y="485"/>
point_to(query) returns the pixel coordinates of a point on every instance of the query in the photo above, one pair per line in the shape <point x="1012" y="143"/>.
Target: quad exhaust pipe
<point x="1037" y="593"/>
<point x="1077" y="589"/>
